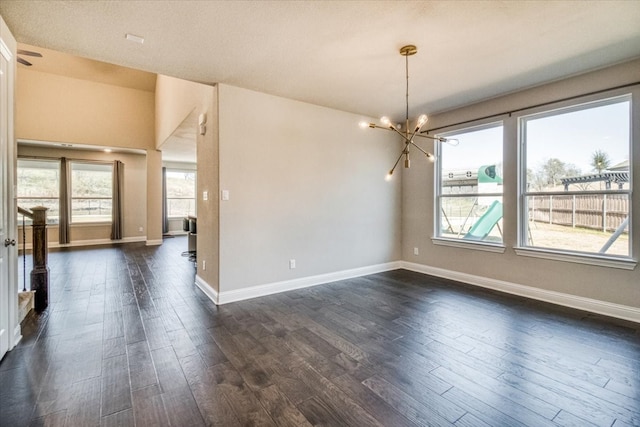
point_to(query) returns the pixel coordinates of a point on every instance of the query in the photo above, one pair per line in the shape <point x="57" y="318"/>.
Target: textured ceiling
<point x="344" y="55"/>
<point x="64" y="64"/>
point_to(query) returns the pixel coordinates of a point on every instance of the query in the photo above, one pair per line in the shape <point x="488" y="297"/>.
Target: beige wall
<point x="175" y="100"/>
<point x="154" y="197"/>
<point x="59" y="109"/>
<point x="305" y="183"/>
<point x="55" y="108"/>
<point x="135" y="189"/>
<point x="600" y="283"/>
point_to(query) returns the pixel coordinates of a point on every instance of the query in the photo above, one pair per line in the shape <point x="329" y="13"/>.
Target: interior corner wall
<point x="175" y="100"/>
<point x="207" y="181"/>
<point x="305" y="183"/>
<point x="605" y="284"/>
<point x="55" y="108"/>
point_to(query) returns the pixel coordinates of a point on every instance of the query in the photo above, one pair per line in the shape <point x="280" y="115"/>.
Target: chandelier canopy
<point x="409" y="133"/>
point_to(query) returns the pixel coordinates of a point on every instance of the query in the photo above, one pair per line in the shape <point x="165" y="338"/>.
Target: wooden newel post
<point x="40" y="272"/>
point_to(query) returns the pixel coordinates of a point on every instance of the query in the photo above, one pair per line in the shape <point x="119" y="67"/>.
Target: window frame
<point x="195" y="192"/>
<point x="50" y="220"/>
<point x="72" y="198"/>
<point x="437" y="239"/>
<point x="522" y="247"/>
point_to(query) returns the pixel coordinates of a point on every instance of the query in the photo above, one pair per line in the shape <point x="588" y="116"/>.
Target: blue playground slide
<point x="485" y="223"/>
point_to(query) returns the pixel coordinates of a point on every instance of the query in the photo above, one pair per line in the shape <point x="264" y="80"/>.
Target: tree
<point x="600" y="161"/>
<point x="553" y="170"/>
<point x="536" y="180"/>
<point x="550" y="173"/>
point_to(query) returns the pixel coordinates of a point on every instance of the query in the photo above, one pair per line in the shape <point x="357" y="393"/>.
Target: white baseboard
<point x="154" y="242"/>
<point x="207" y="289"/>
<point x="587" y="304"/>
<point x="17" y="337"/>
<point x="225" y="297"/>
<point x="567" y="300"/>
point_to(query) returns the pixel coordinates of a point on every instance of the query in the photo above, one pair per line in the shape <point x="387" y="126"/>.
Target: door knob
<point x="8" y="242"/>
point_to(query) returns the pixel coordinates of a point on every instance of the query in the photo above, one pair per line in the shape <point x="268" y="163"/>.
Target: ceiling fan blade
<point x="29" y="53"/>
<point x="23" y="62"/>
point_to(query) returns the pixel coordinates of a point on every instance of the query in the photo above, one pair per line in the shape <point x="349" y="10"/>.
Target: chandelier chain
<point x="406" y="68"/>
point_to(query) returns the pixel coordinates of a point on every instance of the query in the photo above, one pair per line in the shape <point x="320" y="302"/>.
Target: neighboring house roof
<point x="622" y="166"/>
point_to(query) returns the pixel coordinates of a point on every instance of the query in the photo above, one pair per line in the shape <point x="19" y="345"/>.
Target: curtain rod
<point x="509" y="113"/>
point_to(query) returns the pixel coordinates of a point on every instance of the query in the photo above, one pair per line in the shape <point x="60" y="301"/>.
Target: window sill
<point x="600" y="261"/>
<point x="90" y="224"/>
<point x="466" y="244"/>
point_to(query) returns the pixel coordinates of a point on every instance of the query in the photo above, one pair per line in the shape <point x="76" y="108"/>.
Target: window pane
<point x="472" y="218"/>
<point x="91" y="210"/>
<point x="91" y="189"/>
<point x="180" y="207"/>
<point x="39" y="185"/>
<point x="91" y="180"/>
<point x="181" y="193"/>
<point x="473" y="167"/>
<point x="181" y="184"/>
<point x="584" y="151"/>
<point x="594" y="223"/>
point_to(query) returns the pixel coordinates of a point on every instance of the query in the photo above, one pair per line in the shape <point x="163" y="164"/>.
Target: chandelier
<point x="409" y="133"/>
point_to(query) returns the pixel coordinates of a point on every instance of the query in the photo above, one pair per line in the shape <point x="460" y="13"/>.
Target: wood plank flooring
<point x="129" y="340"/>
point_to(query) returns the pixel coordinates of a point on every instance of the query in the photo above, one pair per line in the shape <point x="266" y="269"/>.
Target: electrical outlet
<point x="292" y="264"/>
<point x="416" y="251"/>
<point x="140" y="229"/>
<point x="204" y="265"/>
<point x="205" y="195"/>
<point x="225" y="195"/>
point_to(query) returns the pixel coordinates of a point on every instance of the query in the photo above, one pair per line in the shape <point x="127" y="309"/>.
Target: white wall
<point x="305" y="183"/>
<point x="608" y="285"/>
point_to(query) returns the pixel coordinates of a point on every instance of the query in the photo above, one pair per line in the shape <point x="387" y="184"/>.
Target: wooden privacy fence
<point x="595" y="211"/>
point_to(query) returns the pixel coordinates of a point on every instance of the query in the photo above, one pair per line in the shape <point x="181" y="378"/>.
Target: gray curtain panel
<point x="117" y="219"/>
<point x="64" y="202"/>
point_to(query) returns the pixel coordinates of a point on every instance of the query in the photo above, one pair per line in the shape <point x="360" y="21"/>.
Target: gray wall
<point x="305" y="183"/>
<point x="600" y="283"/>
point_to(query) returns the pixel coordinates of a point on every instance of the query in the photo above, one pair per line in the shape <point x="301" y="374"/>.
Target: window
<point x="181" y="193"/>
<point x="91" y="192"/>
<point x="39" y="185"/>
<point x="469" y="186"/>
<point x="575" y="179"/>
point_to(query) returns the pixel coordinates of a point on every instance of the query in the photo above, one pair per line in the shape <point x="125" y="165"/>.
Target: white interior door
<point x="4" y="179"/>
<point x="9" y="326"/>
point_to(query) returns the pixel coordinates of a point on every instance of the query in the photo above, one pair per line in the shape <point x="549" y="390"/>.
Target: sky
<point x="572" y="137"/>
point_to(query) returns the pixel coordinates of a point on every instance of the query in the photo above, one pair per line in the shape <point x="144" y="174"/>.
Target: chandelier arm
<point x="415" y="133"/>
<point x="435" y="138"/>
<point x="396" y="163"/>
<point x="406" y="139"/>
<point x="423" y="152"/>
<point x="392" y="129"/>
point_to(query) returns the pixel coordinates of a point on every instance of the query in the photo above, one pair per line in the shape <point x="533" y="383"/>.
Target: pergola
<point x="608" y="177"/>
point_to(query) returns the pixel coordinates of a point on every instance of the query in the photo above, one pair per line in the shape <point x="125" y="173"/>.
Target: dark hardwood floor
<point x="129" y="340"/>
